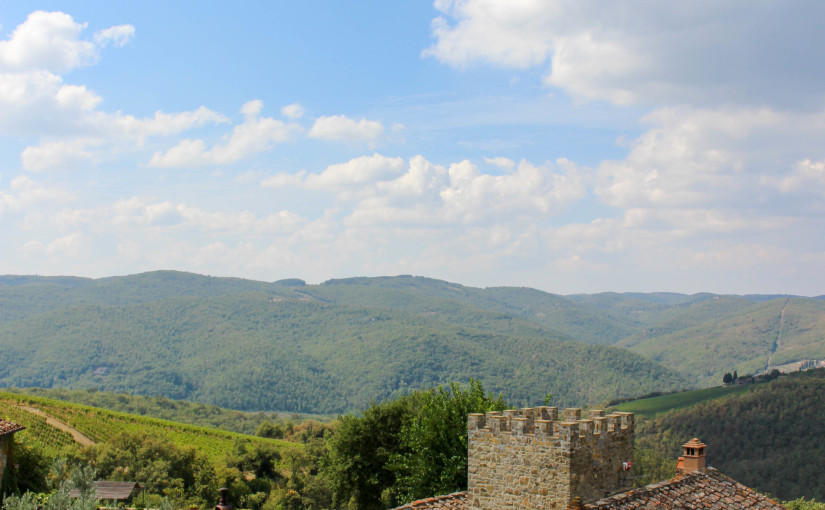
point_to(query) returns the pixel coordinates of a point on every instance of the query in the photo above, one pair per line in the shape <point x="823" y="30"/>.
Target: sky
<point x="570" y="146"/>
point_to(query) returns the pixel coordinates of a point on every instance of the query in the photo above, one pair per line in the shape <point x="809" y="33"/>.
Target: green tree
<point x="180" y="473"/>
<point x="31" y="471"/>
<point x="357" y="459"/>
<point x="432" y="458"/>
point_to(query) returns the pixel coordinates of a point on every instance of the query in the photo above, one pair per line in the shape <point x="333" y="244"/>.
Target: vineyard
<point x="101" y="425"/>
<point x="37" y="430"/>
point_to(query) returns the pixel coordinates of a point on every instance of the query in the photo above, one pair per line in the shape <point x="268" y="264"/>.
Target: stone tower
<point x="530" y="459"/>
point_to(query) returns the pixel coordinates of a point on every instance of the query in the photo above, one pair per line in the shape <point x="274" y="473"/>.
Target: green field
<point x="648" y="407"/>
<point x="101" y="425"/>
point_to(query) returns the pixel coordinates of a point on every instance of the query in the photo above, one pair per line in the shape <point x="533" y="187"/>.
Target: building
<point x="7" y="430"/>
<point x="532" y="459"/>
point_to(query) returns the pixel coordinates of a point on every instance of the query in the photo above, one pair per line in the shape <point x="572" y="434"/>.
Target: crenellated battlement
<point x="541" y="458"/>
<point x="543" y="422"/>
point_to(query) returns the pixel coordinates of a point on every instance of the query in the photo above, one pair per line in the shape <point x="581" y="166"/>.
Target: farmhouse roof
<point x="8" y="427"/>
<point x="700" y="489"/>
<point x="111" y="490"/>
<point x="709" y="489"/>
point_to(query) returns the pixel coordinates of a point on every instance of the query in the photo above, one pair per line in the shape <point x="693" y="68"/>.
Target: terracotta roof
<point x="454" y="501"/>
<point x="709" y="489"/>
<point x="8" y="427"/>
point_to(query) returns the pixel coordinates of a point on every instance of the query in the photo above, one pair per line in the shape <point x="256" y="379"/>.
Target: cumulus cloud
<point x="68" y="154"/>
<point x="47" y="41"/>
<point x="703" y="157"/>
<point x="36" y="101"/>
<point x="24" y="192"/>
<point x="293" y="111"/>
<point x="342" y="128"/>
<point x="704" y="52"/>
<point x="364" y="169"/>
<point x="254" y="135"/>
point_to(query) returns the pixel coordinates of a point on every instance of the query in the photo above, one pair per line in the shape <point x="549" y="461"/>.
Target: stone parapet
<point x="531" y="459"/>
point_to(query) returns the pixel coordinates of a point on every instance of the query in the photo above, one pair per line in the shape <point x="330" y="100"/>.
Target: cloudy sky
<point x="571" y="146"/>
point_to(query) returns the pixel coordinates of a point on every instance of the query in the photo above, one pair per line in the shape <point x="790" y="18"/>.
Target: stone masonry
<point x="529" y="459"/>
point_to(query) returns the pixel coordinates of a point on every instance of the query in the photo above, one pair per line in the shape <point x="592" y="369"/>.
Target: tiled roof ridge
<point x="674" y="483"/>
<point x="455" y="500"/>
<point x="9" y="427"/>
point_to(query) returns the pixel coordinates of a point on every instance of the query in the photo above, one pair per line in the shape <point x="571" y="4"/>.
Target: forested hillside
<point x="339" y="345"/>
<point x="286" y="347"/>
<point x="771" y="438"/>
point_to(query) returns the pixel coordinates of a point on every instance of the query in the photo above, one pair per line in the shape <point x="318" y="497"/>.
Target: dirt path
<point x="78" y="436"/>
<point x="778" y="342"/>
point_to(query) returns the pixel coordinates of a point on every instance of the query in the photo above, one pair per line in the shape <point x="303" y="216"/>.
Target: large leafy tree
<point x="408" y="448"/>
<point x="433" y="455"/>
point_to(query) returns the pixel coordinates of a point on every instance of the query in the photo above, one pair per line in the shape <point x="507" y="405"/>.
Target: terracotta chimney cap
<point x="694" y="443"/>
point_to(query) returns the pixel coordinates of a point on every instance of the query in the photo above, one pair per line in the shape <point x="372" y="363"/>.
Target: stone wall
<point x="531" y="459"/>
<point x="5" y="447"/>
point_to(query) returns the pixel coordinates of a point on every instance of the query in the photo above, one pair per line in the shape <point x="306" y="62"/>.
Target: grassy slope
<point x="649" y="407"/>
<point x="181" y="411"/>
<point x="101" y="425"/>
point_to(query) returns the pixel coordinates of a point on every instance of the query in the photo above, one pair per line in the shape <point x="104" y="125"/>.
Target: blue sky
<point x="568" y="146"/>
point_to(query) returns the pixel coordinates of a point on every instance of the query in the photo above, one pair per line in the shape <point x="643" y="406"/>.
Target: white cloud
<point x="703" y="157"/>
<point x="293" y="111"/>
<point x="67" y="154"/>
<point x="163" y="123"/>
<point x="503" y="163"/>
<point x="807" y="177"/>
<point x="24" y="192"/>
<point x="253" y="136"/>
<point x="47" y="41"/>
<point x="74" y="246"/>
<point x="702" y="52"/>
<point x="342" y="128"/>
<point x="365" y="169"/>
<point x="473" y="196"/>
<point x="137" y="212"/>
<point x="118" y="35"/>
<point x="36" y="102"/>
<point x="50" y="41"/>
<point x="282" y="180"/>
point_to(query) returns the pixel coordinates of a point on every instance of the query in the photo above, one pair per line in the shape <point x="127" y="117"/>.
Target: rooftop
<point x="709" y="489"/>
<point x="8" y="427"/>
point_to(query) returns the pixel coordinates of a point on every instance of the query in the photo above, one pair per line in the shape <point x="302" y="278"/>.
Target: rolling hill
<point x="328" y="348"/>
<point x="337" y="346"/>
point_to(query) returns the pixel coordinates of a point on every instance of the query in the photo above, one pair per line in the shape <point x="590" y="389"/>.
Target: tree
<point x="180" y="473"/>
<point x="432" y="458"/>
<point x="727" y="378"/>
<point x="357" y="460"/>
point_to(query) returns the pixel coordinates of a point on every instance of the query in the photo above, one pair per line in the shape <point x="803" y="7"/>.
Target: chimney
<point x="693" y="457"/>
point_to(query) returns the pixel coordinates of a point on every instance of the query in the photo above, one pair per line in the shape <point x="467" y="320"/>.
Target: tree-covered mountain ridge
<point x="339" y="345"/>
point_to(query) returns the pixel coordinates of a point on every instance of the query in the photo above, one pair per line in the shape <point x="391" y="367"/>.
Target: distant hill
<point x="772" y="437"/>
<point x="338" y="345"/>
<point x="324" y="348"/>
